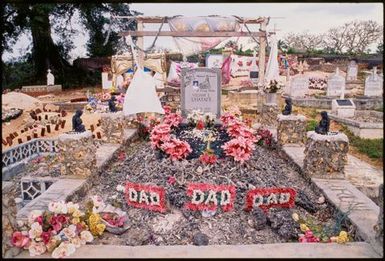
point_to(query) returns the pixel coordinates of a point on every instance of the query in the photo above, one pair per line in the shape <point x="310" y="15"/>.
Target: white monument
<point x="106" y="83"/>
<point x="50" y="78"/>
<point x="351" y="74"/>
<point x="336" y="84"/>
<point x="299" y="86"/>
<point x="374" y="84"/>
<point x="344" y="108"/>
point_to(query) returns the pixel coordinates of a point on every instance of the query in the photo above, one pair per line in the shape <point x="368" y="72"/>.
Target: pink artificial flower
<point x="239" y="148"/>
<point x="177" y="149"/>
<point x="227" y="117"/>
<point x="56" y="225"/>
<point x="46" y="237"/>
<point x="200" y="125"/>
<point x="19" y="239"/>
<point x="159" y="135"/>
<point x="167" y="109"/>
<point x="62" y="218"/>
<point x="122" y="156"/>
<point x="171" y="180"/>
<point x="208" y="158"/>
<point x="172" y="119"/>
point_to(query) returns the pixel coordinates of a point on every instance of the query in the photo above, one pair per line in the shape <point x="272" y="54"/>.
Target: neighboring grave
<point x="201" y="90"/>
<point x="291" y="129"/>
<point x="336" y="84"/>
<point x="106" y="81"/>
<point x="214" y="60"/>
<point x="374" y="84"/>
<point x="50" y="78"/>
<point x="351" y="74"/>
<point x="299" y="86"/>
<point x="113" y="125"/>
<point x="344" y="108"/>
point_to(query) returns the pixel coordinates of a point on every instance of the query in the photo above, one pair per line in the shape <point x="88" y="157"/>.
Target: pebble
<point x="200" y="239"/>
<point x="208" y="213"/>
<point x="321" y="200"/>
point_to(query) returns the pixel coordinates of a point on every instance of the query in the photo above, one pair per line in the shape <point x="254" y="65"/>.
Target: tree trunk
<point x="45" y="52"/>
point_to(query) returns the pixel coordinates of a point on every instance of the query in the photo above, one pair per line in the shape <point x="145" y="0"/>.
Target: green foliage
<point x="311" y="124"/>
<point x="373" y="148"/>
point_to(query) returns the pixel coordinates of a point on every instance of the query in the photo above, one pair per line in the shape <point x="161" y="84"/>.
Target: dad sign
<point x="210" y="197"/>
<point x="145" y="196"/>
<point x="266" y="198"/>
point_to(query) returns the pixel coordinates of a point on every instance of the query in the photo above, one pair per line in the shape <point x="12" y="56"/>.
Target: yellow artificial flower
<point x="77" y="213"/>
<point x="343" y="237"/>
<point x="343" y="234"/>
<point x="94" y="218"/>
<point x="75" y="220"/>
<point x="304" y="228"/>
<point x="100" y="228"/>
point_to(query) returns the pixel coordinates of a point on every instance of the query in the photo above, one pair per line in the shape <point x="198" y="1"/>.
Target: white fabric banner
<point x="272" y="68"/>
<point x="141" y="95"/>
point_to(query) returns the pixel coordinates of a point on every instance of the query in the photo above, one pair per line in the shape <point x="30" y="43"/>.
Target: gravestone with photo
<point x="299" y="86"/>
<point x="374" y="84"/>
<point x="201" y="90"/>
<point x="336" y="84"/>
<point x="351" y="74"/>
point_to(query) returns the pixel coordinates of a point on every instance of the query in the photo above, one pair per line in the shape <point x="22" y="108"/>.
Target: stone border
<point x="286" y="250"/>
<point x="362" y="103"/>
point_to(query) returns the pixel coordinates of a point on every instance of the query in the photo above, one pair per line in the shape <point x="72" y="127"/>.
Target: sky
<point x="285" y="17"/>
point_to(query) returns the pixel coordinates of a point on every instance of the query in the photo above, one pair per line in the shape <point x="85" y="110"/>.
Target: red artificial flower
<point x="240" y="148"/>
<point x="19" y="240"/>
<point x="159" y="135"/>
<point x="39" y="219"/>
<point x="171" y="180"/>
<point x="172" y="119"/>
<point x="200" y="125"/>
<point x="56" y="225"/>
<point x="46" y="237"/>
<point x="122" y="156"/>
<point x="62" y="218"/>
<point x="227" y="117"/>
<point x="208" y="158"/>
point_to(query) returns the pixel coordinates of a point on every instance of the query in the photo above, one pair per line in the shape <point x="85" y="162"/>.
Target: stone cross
<point x="300" y="67"/>
<point x="50" y="78"/>
<point x="337" y="71"/>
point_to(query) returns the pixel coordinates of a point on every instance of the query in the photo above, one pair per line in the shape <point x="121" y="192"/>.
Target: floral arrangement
<point x="240" y="148"/>
<point x="176" y="149"/>
<point x="60" y="230"/>
<point x="196" y="116"/>
<point x="159" y="135"/>
<point x="208" y="157"/>
<point x="265" y="137"/>
<point x="172" y="119"/>
<point x="272" y="86"/>
<point x="326" y="233"/>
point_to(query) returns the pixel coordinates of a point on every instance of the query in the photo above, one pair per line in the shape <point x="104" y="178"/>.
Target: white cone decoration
<point x="141" y="95"/>
<point x="272" y="68"/>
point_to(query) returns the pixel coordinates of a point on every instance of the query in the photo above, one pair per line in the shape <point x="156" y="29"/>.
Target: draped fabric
<point x="193" y="45"/>
<point x="226" y="70"/>
<point x="272" y="68"/>
<point x="141" y="95"/>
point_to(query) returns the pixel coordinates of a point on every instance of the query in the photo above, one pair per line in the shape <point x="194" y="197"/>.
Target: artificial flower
<point x="64" y="249"/>
<point x="36" y="248"/>
<point x="33" y="215"/>
<point x="70" y="231"/>
<point x="19" y="239"/>
<point x="177" y="149"/>
<point x="120" y="188"/>
<point x="87" y="236"/>
<point x="35" y="230"/>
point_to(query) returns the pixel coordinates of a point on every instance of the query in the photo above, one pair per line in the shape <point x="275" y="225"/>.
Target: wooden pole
<point x="140" y="43"/>
<point x="262" y="52"/>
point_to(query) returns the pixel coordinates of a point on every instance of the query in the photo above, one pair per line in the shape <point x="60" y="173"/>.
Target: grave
<point x="214" y="60"/>
<point x="374" y="84"/>
<point x="336" y="84"/>
<point x="344" y="108"/>
<point x="352" y="71"/>
<point x="113" y="126"/>
<point x="299" y="86"/>
<point x="201" y="90"/>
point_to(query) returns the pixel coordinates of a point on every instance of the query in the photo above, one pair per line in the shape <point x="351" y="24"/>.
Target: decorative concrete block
<point x="326" y="155"/>
<point x="269" y="115"/>
<point x="77" y="154"/>
<point x="32" y="187"/>
<point x="291" y="129"/>
<point x="113" y="125"/>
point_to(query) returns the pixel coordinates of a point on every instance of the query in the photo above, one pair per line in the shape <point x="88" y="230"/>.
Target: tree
<point x="43" y="19"/>
<point x="303" y="42"/>
<point x="354" y="37"/>
<point x="380" y="48"/>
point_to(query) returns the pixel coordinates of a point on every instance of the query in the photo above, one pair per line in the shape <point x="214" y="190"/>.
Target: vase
<point x="271" y="98"/>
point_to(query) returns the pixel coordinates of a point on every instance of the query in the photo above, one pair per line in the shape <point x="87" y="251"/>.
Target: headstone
<point x="119" y="80"/>
<point x="214" y="60"/>
<point x="344" y="108"/>
<point x="299" y="86"/>
<point x="336" y="84"/>
<point x="50" y="78"/>
<point x="374" y="84"/>
<point x="201" y="90"/>
<point x="106" y="83"/>
<point x="352" y="71"/>
<point x="254" y="71"/>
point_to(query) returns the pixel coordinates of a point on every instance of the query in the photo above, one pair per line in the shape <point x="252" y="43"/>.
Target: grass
<point x="311" y="124"/>
<point x="373" y="148"/>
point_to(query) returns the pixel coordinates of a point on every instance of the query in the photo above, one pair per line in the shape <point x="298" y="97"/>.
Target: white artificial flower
<point x="97" y="201"/>
<point x="64" y="249"/>
<point x="71" y="207"/>
<point x="33" y="215"/>
<point x="87" y="236"/>
<point x="36" y="249"/>
<point x="35" y="230"/>
<point x="77" y="242"/>
<point x="70" y="231"/>
<point x="120" y="188"/>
